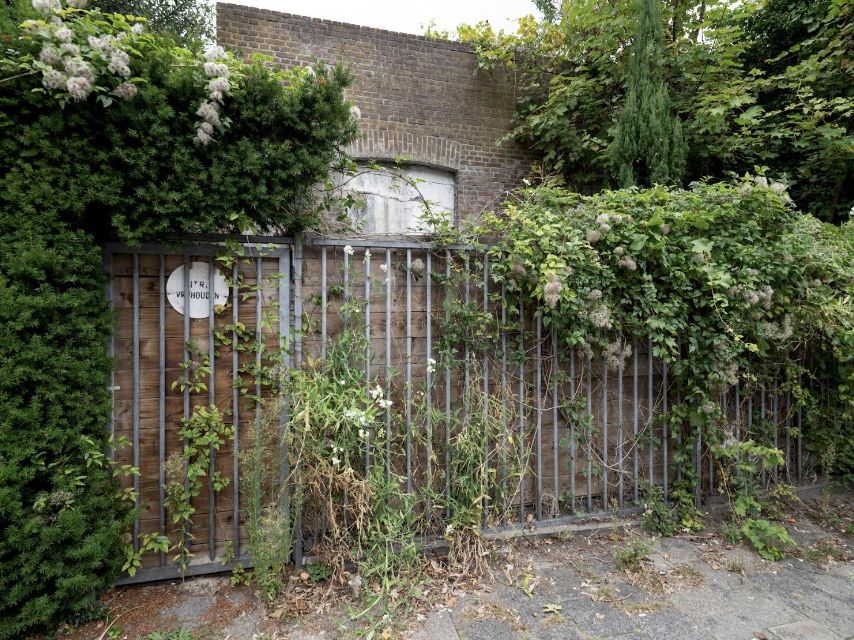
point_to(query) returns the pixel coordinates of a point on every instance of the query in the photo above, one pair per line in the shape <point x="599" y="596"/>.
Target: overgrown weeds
<point x="331" y="476"/>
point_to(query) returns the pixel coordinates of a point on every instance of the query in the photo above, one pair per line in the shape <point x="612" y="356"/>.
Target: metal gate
<point x="578" y="468"/>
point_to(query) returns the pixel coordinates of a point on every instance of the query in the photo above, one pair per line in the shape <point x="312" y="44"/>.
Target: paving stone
<point x="804" y="630"/>
<point x="600" y="619"/>
<point x="836" y="613"/>
<point x="439" y="625"/>
<point x="190" y="611"/>
<point x="671" y="624"/>
<point x="486" y="628"/>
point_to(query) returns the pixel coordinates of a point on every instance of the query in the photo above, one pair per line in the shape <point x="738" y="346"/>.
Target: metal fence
<point x="589" y="434"/>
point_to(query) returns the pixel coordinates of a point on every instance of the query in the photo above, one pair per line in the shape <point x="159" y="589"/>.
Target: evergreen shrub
<point x="108" y="132"/>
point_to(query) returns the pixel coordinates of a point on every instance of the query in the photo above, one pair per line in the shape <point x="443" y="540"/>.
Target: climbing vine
<point x="727" y="282"/>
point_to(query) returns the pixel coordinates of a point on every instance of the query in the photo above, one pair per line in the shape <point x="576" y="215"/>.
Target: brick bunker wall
<point x="419" y="98"/>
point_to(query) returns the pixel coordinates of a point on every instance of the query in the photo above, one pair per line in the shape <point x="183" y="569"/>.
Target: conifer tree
<point x="648" y="147"/>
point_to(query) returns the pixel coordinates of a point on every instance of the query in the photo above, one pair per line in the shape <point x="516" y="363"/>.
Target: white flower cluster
<point x="604" y="222"/>
<point x="761" y="182"/>
<point x="600" y="317"/>
<point x="709" y="407"/>
<point x="617" y="353"/>
<point x="377" y="395"/>
<point x="46" y="7"/>
<point x="552" y="289"/>
<point x="218" y="87"/>
<point x="336" y="461"/>
<point x="356" y="415"/>
<point x="628" y="263"/>
<point x="125" y="91"/>
<point x="417" y="267"/>
<point x="732" y="374"/>
<point x="67" y="69"/>
<point x="431" y="365"/>
<point x="774" y="332"/>
<point x="763" y="294"/>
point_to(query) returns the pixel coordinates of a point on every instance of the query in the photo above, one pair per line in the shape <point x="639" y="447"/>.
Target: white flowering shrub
<point x="157" y="139"/>
<point x="729" y="283"/>
<point x="79" y="57"/>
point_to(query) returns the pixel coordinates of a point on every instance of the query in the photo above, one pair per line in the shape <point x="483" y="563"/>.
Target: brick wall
<point x="419" y="98"/>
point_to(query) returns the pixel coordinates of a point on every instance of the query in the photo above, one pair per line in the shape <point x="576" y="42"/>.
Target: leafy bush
<point x="658" y="517"/>
<point x="727" y="283"/>
<point x="130" y="162"/>
<point x="109" y="132"/>
<point x="761" y="83"/>
<point x="61" y="523"/>
<point x="770" y="540"/>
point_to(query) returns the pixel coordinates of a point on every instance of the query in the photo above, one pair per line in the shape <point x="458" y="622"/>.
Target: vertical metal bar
<point x="428" y="396"/>
<point x="388" y="273"/>
<point x="467" y="350"/>
<point x="762" y="418"/>
<point x="572" y="443"/>
<point x="504" y="394"/>
<point x="555" y="450"/>
<point x="775" y="405"/>
<point x="324" y="301"/>
<point x="589" y="365"/>
<point x="447" y="390"/>
<point x="111" y="350"/>
<point x="298" y="302"/>
<point x="800" y="447"/>
<point x="538" y="384"/>
<point x="725" y="411"/>
<point x="620" y="463"/>
<point x="522" y="462"/>
<point x="737" y="411"/>
<point x="665" y="443"/>
<point x="635" y="444"/>
<point x="235" y="409"/>
<point x="367" y="349"/>
<point x="486" y="442"/>
<point x="186" y="359"/>
<point x="409" y="370"/>
<point x="346" y="313"/>
<point x="605" y="390"/>
<point x="787" y="426"/>
<point x="260" y="347"/>
<point x="211" y="402"/>
<point x="750" y="416"/>
<point x="698" y="455"/>
<point x="161" y="409"/>
<point x="137" y="498"/>
<point x="285" y="328"/>
<point x="650" y="411"/>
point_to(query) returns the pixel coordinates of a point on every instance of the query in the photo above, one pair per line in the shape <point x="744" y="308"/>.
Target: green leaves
<point x="766" y="83"/>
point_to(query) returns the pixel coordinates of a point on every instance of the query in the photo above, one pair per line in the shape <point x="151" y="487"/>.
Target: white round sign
<point x="200" y="289"/>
